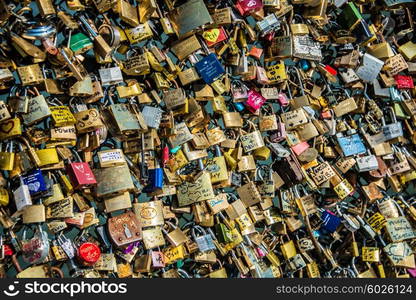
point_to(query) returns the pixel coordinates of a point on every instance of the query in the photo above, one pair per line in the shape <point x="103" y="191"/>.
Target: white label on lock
<point x="111" y="156"/>
<point x="22" y="197"/>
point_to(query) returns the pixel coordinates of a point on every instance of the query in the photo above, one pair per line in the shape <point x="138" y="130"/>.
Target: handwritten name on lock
<point x="137" y="62"/>
<point x="400" y="229"/>
<point x="200" y="190"/>
<point x="322" y="173"/>
<point x="377" y="221"/>
<point x="139" y="33"/>
<point x="38" y="109"/>
<point x="172" y="254"/>
<point x="343" y="189"/>
<point x="397" y="252"/>
<point x="61" y="209"/>
<point x="65" y="131"/>
<point x="182" y="135"/>
<point x="251" y="141"/>
<point x="62" y="115"/>
<point x="111" y="156"/>
<point x="217" y="168"/>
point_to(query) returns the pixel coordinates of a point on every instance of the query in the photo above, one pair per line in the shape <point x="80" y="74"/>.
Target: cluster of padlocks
<point x="204" y="138"/>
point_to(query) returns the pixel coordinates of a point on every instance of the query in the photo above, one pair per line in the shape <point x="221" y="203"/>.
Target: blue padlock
<point x="209" y="68"/>
<point x="155" y="180"/>
<point x="35" y="182"/>
<point x="351" y="145"/>
<point x="239" y="106"/>
<point x="330" y="221"/>
<point x="304" y="65"/>
<point x="176" y="149"/>
<point x="395" y="94"/>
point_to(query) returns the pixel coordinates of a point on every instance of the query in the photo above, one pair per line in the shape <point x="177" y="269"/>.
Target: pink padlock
<point x="158" y="260"/>
<point x="246" y="7"/>
<point x="282" y="98"/>
<point x="412" y="272"/>
<point x="260" y="252"/>
<point x="254" y="101"/>
<point x="261" y="75"/>
<point x="299" y="148"/>
<point x="404" y="82"/>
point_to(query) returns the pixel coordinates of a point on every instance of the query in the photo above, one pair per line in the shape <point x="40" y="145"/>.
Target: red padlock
<point x="80" y="174"/>
<point x="327" y="114"/>
<point x="165" y="155"/>
<point x="270" y="36"/>
<point x="88" y="253"/>
<point x="8" y="250"/>
<point x="256" y="52"/>
<point x="214" y="36"/>
<point x="331" y="70"/>
<point x="404" y="82"/>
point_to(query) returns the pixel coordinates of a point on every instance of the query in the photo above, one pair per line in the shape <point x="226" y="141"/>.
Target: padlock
<point x="7" y="157"/>
<point x="21" y="194"/>
<point x="80" y="173"/>
<point x="204" y="240"/>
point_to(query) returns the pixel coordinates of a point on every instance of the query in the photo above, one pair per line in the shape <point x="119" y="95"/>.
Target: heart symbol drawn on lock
<point x="80" y="168"/>
<point x="7" y="126"/>
<point x="34" y="186"/>
<point x="211" y="35"/>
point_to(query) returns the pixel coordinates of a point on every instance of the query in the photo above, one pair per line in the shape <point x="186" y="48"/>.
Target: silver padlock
<point x="379" y="91"/>
<point x="349" y="76"/>
<point x="367" y="163"/>
<point x="370" y="68"/>
<point x="152" y="116"/>
<point x="394" y="129"/>
<point x="268" y="24"/>
<point x="22" y="196"/>
<point x="204" y="241"/>
<point x="110" y="76"/>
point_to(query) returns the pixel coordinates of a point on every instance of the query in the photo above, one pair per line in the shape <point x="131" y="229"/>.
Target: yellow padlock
<point x="288" y="249"/>
<point x="47" y="156"/>
<point x="4" y="197"/>
<point x="262" y="153"/>
<point x="276" y="73"/>
<point x="131" y="90"/>
<point x="173" y="254"/>
<point x="7" y="158"/>
<point x="231" y="162"/>
<point x="62" y="116"/>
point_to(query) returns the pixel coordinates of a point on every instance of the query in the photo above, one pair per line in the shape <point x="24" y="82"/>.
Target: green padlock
<point x="350" y="16"/>
<point x="399" y="112"/>
<point x="80" y="43"/>
<point x="224" y="235"/>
